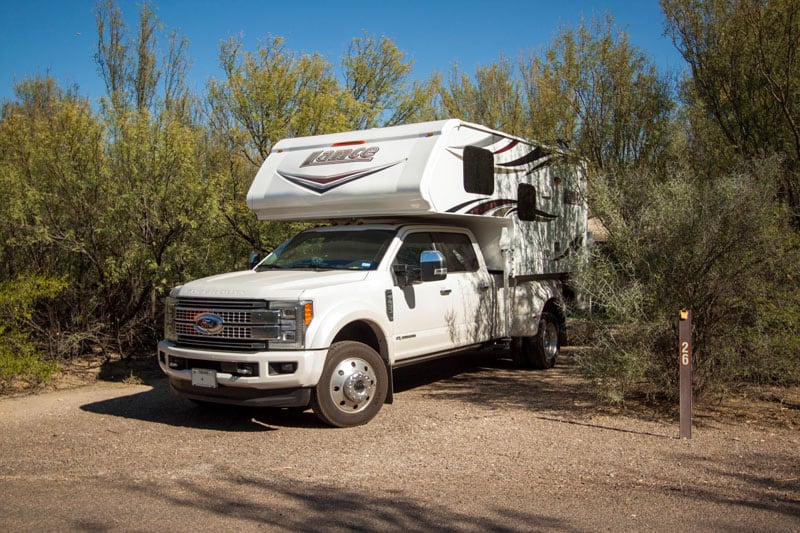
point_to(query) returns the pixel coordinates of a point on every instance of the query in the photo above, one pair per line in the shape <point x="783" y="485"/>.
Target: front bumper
<point x="259" y="378"/>
<point x="241" y="396"/>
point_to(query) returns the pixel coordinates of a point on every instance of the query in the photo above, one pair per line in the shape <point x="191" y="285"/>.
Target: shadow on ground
<point x="290" y="504"/>
<point x="159" y="405"/>
<point x="482" y="378"/>
<point x="489" y="378"/>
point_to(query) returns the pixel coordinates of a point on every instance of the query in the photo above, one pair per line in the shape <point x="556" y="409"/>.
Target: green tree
<point x="595" y="90"/>
<point x="718" y="246"/>
<point x="265" y="96"/>
<point x="111" y="202"/>
<point x="376" y="76"/>
<point x="271" y="94"/>
<point x="492" y="99"/>
<point x="744" y="57"/>
<point x="52" y="203"/>
<point x="20" y="357"/>
<point x="161" y="191"/>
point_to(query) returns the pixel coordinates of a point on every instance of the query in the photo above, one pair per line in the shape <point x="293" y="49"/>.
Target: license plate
<point x="202" y="377"/>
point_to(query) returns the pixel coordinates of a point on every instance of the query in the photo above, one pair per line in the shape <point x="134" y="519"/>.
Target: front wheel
<point x="352" y="387"/>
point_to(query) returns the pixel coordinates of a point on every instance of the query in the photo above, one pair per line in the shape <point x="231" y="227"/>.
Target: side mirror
<point x="433" y="266"/>
<point x="254" y="260"/>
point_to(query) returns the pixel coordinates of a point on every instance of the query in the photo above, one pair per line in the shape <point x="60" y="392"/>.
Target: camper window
<point x="478" y="170"/>
<point x="526" y="202"/>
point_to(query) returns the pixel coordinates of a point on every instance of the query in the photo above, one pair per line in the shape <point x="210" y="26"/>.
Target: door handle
<point x="484" y="286"/>
<point x="445" y="292"/>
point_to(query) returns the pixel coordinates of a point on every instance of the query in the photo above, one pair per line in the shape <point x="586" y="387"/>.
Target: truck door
<point x="473" y="285"/>
<point x="424" y="313"/>
<point x="436" y="316"/>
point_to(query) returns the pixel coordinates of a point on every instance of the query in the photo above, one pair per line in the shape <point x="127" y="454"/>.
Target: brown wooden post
<point x="685" y="359"/>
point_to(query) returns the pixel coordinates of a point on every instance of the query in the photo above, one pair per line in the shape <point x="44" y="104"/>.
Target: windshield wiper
<point x="266" y="267"/>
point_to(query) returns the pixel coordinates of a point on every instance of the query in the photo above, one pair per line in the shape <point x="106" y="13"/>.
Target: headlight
<point x="170" y="331"/>
<point x="292" y="320"/>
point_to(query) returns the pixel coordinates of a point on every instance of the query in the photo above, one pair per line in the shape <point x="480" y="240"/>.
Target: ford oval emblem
<point x="208" y="324"/>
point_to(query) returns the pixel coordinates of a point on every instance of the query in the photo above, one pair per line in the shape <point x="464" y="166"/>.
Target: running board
<point x="437" y="355"/>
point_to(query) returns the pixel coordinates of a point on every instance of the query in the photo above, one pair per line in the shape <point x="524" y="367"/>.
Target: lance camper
<point x="444" y="236"/>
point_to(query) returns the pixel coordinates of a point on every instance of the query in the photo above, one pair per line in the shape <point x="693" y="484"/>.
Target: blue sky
<point x="58" y="37"/>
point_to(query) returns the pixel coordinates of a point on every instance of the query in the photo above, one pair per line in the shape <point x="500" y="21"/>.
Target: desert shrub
<point x="21" y="359"/>
<point x="720" y="247"/>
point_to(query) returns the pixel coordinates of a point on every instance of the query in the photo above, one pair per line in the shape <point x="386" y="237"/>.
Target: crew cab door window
<point x="410" y="252"/>
<point x="456" y="247"/>
<point x="458" y="251"/>
<point x="412" y="248"/>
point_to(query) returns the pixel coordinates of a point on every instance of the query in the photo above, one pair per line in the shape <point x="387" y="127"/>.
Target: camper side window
<point x="526" y="202"/>
<point x="478" y="170"/>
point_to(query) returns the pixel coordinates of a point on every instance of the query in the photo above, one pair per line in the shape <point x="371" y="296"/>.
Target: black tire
<point x="518" y="355"/>
<point x="352" y="387"/>
<point x="543" y="347"/>
<point x="540" y="351"/>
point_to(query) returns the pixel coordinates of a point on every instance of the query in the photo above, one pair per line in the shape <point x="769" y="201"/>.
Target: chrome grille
<point x="231" y="332"/>
<point x="246" y="324"/>
<point x="229" y="317"/>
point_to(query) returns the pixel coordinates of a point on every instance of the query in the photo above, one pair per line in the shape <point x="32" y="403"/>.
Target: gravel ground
<point x="470" y="444"/>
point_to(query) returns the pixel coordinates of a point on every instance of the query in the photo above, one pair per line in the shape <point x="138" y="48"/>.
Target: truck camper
<point x="447" y="236"/>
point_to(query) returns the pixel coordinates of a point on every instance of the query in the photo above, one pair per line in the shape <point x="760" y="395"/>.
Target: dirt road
<point x="468" y="445"/>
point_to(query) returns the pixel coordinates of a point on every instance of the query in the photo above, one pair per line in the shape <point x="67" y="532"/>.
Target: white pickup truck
<point x="447" y="236"/>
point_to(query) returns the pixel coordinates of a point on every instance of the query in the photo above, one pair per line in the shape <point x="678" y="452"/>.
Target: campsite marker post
<point x="685" y="354"/>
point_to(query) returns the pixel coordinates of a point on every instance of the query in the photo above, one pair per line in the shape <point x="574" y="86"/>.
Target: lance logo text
<point x="346" y="155"/>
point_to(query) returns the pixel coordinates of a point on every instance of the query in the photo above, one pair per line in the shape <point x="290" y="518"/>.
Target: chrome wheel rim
<point x="550" y="341"/>
<point x="353" y="385"/>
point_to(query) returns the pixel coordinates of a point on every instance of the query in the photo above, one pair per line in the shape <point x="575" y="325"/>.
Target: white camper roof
<point x="410" y="170"/>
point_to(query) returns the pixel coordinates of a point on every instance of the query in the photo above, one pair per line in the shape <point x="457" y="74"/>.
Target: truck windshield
<point x="331" y="250"/>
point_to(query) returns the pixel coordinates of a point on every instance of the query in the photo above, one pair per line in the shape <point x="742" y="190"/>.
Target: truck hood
<point x="267" y="285"/>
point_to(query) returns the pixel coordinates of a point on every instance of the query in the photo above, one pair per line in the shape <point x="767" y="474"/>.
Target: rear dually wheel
<point x="540" y="351"/>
